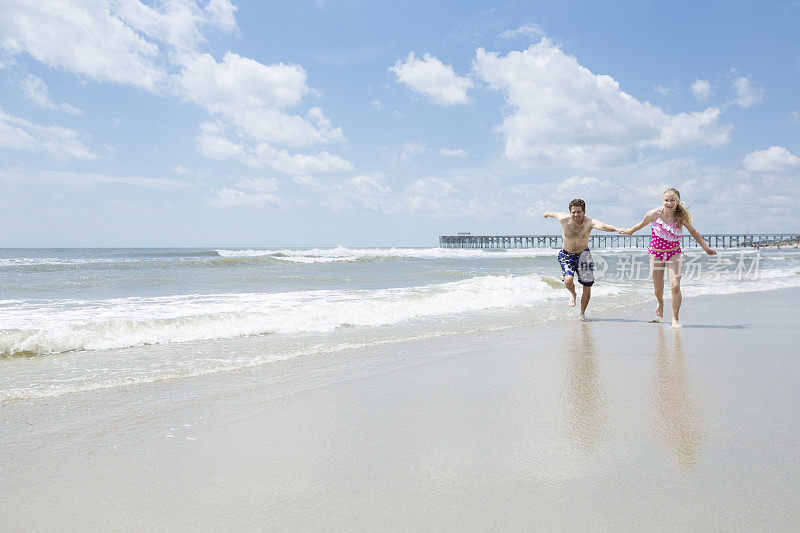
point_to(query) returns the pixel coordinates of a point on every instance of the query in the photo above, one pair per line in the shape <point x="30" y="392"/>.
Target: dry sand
<point x="615" y="424"/>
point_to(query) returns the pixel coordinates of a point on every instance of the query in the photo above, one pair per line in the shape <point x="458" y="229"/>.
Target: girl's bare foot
<point x="660" y="311"/>
<point x="571" y="301"/>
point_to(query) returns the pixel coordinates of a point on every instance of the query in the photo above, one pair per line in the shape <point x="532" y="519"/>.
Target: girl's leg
<point x="674" y="267"/>
<point x="657" y="270"/>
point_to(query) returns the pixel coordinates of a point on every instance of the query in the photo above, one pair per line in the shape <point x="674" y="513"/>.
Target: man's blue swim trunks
<point x="580" y="264"/>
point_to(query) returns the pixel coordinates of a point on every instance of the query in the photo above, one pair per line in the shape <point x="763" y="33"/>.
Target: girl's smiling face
<point x="670" y="201"/>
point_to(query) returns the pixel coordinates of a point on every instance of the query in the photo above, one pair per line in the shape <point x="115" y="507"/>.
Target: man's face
<point x="577" y="214"/>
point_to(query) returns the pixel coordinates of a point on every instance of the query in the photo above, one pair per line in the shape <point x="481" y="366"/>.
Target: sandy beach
<point x="614" y="424"/>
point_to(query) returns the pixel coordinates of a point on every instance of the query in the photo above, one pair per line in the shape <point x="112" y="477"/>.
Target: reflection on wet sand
<point x="677" y="421"/>
<point x="585" y="408"/>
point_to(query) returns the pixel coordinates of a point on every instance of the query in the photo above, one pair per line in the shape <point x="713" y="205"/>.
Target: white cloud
<point x="310" y="182"/>
<point x="684" y="130"/>
<point x="746" y="94"/>
<point x="463" y="195"/>
<point x="433" y="186"/>
<point x="453" y="152"/>
<point x="701" y="89"/>
<point x="259" y="184"/>
<point x="83" y="179"/>
<point x="88" y="38"/>
<point x="6" y="59"/>
<point x="482" y="194"/>
<point x="180" y="169"/>
<point x="562" y="113"/>
<point x="432" y="196"/>
<point x="773" y="159"/>
<point x="528" y="30"/>
<point x="272" y="125"/>
<point x="62" y="143"/>
<point x="177" y="22"/>
<point x="250" y="101"/>
<point x="235" y="198"/>
<point x="367" y="186"/>
<point x="665" y="91"/>
<point x="214" y="144"/>
<point x="35" y="90"/>
<point x="252" y="97"/>
<point x="156" y="47"/>
<point x="376" y="105"/>
<point x="241" y="82"/>
<point x="429" y="77"/>
<point x="122" y="41"/>
<point x="794" y="115"/>
<point x="593" y="190"/>
<point x="358" y="192"/>
<point x="221" y="13"/>
<point x="324" y="125"/>
<point x="411" y="148"/>
<point x="577" y="183"/>
<point x="298" y="164"/>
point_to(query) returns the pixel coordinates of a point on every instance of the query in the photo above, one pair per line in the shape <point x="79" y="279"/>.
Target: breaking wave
<point x="42" y="327"/>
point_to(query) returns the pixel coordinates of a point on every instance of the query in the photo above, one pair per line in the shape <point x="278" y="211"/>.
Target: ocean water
<point x="75" y="320"/>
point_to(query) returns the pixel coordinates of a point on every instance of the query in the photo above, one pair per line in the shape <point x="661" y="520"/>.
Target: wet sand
<point x="614" y="424"/>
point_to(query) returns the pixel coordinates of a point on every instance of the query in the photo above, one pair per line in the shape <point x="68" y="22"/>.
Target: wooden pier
<point x="728" y="240"/>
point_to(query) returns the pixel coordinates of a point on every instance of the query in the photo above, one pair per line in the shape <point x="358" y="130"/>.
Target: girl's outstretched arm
<point x="699" y="238"/>
<point x="648" y="218"/>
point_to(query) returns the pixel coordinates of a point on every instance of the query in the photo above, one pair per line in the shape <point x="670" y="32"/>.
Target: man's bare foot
<point x="571" y="301"/>
<point x="583" y="318"/>
<point x="676" y="324"/>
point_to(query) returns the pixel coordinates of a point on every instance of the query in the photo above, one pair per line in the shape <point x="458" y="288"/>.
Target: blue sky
<point x="359" y="123"/>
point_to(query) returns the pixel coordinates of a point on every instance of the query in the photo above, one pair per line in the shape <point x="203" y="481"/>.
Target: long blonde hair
<point x="682" y="215"/>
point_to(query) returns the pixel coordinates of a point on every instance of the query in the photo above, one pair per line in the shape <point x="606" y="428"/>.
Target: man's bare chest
<point x="574" y="232"/>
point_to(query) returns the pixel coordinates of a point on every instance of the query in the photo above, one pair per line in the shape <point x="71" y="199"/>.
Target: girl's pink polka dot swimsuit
<point x="665" y="241"/>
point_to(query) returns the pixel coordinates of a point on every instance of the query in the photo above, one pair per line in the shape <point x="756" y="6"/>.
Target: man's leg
<point x="585" y="296"/>
<point x="586" y="278"/>
<point x="569" y="283"/>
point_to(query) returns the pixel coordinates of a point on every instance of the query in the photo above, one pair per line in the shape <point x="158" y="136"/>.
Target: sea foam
<point x="40" y="327"/>
<point x="325" y="255"/>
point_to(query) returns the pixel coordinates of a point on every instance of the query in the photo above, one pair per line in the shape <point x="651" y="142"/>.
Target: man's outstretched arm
<point x="596" y="224"/>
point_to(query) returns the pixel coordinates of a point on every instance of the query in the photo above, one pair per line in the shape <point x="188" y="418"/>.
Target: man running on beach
<point x="575" y="257"/>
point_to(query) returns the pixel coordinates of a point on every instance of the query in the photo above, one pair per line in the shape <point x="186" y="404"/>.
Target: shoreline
<point x="558" y="426"/>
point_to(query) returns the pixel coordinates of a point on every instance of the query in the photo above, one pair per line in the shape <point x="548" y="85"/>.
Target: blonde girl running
<point x="668" y="222"/>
